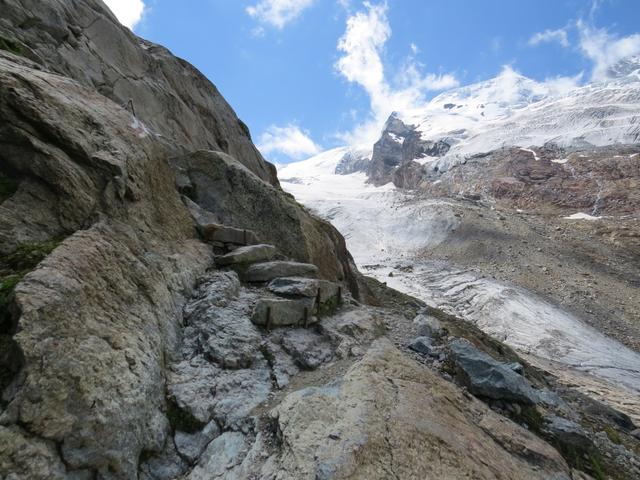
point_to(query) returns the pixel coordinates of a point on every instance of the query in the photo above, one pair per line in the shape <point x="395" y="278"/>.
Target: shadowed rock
<point x="489" y="378"/>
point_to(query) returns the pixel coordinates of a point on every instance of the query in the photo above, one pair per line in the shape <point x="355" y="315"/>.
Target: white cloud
<point x="547" y="36"/>
<point x="289" y="140"/>
<point x="278" y="13"/>
<point x="362" y="46"/>
<point x="605" y="49"/>
<point x="128" y="12"/>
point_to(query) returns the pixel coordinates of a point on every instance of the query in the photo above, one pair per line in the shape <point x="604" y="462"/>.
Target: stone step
<point x="214" y="232"/>
<point x="247" y="255"/>
<point x="282" y="312"/>
<point x="328" y="295"/>
<point x="267" y="271"/>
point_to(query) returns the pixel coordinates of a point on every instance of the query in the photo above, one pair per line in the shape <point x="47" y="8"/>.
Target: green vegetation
<point x="531" y="417"/>
<point x="13" y="268"/>
<point x="11" y="46"/>
<point x="7" y="186"/>
<point x="28" y="255"/>
<point x="613" y="434"/>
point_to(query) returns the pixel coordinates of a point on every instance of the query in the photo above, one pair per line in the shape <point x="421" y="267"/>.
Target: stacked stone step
<point x="300" y="298"/>
<point x="303" y="302"/>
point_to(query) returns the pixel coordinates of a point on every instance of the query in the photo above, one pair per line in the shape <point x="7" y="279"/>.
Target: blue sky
<point x="306" y="75"/>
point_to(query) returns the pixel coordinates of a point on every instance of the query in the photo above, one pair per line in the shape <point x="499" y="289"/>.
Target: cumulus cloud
<point x="128" y="12"/>
<point x="605" y="49"/>
<point x="278" y="13"/>
<point x="548" y="36"/>
<point x="362" y="46"/>
<point x="289" y="140"/>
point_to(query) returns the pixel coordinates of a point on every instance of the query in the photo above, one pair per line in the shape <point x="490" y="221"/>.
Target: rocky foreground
<point x="167" y="311"/>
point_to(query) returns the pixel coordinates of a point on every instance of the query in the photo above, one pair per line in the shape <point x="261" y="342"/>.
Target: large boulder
<point x="486" y="377"/>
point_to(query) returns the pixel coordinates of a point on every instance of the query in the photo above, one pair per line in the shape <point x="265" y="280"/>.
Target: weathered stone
<point x="281" y="312"/>
<point x="164" y="94"/>
<point x="167" y="465"/>
<point x="241" y="199"/>
<point x="421" y="345"/>
<point x="489" y="378"/>
<point x="429" y="326"/>
<point x="308" y="349"/>
<point x="213" y="232"/>
<point x="199" y="215"/>
<point x="264" y="272"/>
<point x="223" y="454"/>
<point x="103" y="307"/>
<point x="191" y="445"/>
<point x="247" y="255"/>
<point x="304" y="287"/>
<point x="568" y="434"/>
<point x="397" y="419"/>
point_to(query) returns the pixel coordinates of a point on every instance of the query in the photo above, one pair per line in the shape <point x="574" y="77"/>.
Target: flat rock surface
<point x="247" y="255"/>
<point x="264" y="272"/>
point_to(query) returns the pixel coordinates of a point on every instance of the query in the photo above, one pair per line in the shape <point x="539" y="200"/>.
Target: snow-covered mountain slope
<point x="512" y="110"/>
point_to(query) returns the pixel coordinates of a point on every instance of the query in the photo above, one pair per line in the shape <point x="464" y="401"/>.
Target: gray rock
<point x="489" y="378"/>
<point x="567" y="433"/>
<point x="282" y="365"/>
<point x="636" y="433"/>
<point x="199" y="215"/>
<point x="214" y="232"/>
<point x="429" y="326"/>
<point x="167" y="465"/>
<point x="191" y="445"/>
<point x="421" y="345"/>
<point x="281" y="312"/>
<point x="516" y="367"/>
<point x="304" y="287"/>
<point x="169" y="97"/>
<point x="222" y="455"/>
<point x="308" y="349"/>
<point x="247" y="255"/>
<point x="239" y="198"/>
<point x="264" y="272"/>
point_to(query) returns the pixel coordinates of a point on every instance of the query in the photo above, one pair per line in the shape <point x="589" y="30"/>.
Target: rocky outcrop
<point x="398" y="147"/>
<point x="169" y="98"/>
<point x="390" y="418"/>
<point x="89" y="322"/>
<point x="100" y="314"/>
<point x="224" y="187"/>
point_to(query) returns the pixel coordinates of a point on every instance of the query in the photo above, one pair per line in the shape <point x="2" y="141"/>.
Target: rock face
<point x="170" y="99"/>
<point x="237" y="197"/>
<point x="397" y="148"/>
<point x="101" y="312"/>
<point x="90" y="329"/>
<point x="390" y="418"/>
